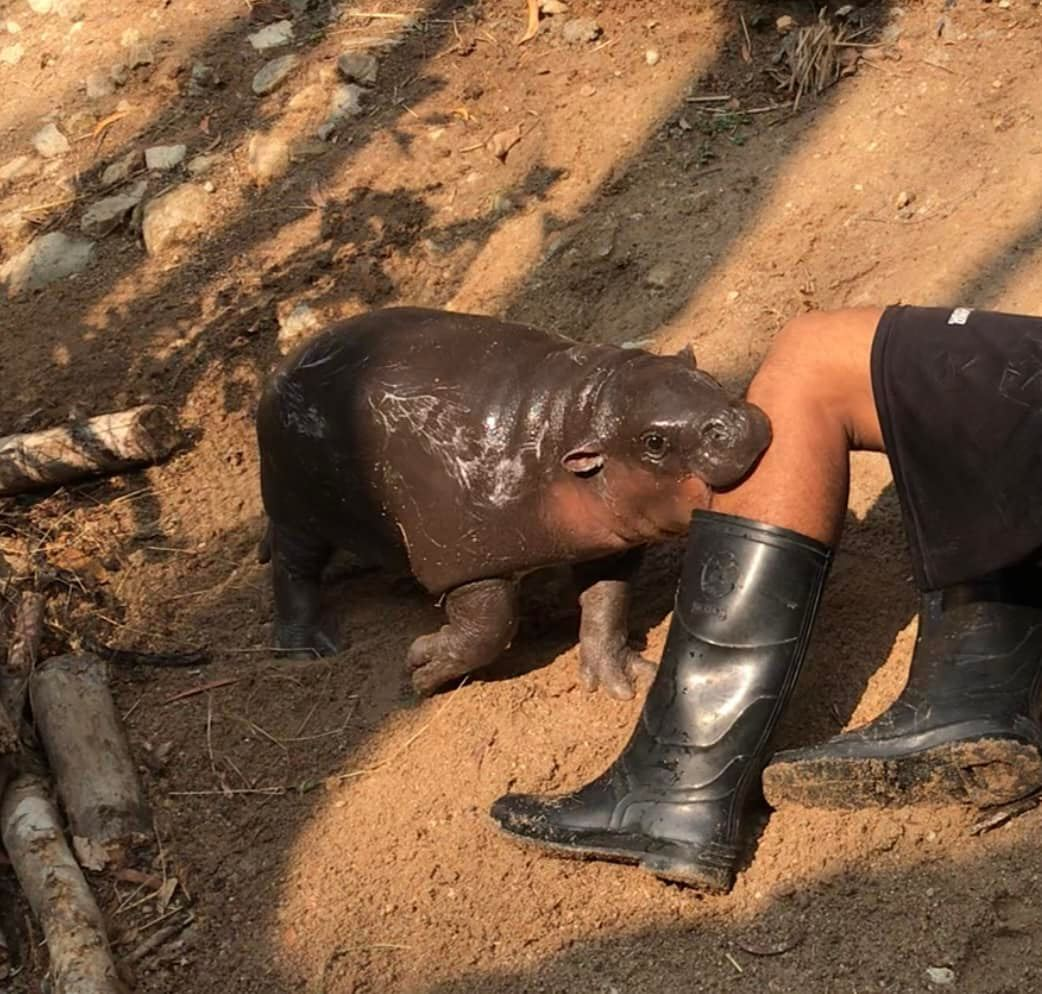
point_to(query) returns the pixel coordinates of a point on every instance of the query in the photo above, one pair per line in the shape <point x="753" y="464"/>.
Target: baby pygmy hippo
<point x="471" y="452"/>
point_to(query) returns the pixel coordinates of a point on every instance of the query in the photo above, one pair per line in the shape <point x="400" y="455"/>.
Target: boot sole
<point x="984" y="773"/>
<point x="674" y="869"/>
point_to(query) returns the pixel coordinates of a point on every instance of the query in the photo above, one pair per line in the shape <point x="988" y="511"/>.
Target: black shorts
<point x="959" y="396"/>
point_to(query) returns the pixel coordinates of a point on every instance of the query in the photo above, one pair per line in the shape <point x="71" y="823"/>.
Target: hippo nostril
<point x="717" y="431"/>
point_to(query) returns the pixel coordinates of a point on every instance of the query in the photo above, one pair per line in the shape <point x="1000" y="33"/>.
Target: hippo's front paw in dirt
<point x="304" y="642"/>
<point x="433" y="662"/>
<point x="616" y="668"/>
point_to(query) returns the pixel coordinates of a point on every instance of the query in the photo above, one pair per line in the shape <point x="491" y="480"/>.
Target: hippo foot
<point x="304" y="642"/>
<point x="432" y="665"/>
<point x="615" y="668"/>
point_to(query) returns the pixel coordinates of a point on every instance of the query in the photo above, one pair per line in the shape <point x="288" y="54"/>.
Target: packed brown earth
<point x="327" y="830"/>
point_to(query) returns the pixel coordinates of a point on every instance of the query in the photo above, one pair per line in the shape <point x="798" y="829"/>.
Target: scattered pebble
<point x="272" y="36"/>
<point x="50" y="142"/>
<point x="326" y="130"/>
<point x="272" y="73"/>
<point x="100" y="85"/>
<point x="651" y="57"/>
<point x="140" y="55"/>
<point x="296" y="324"/>
<point x="503" y="141"/>
<point x="209" y="187"/>
<point x="119" y="73"/>
<point x="13" y="27"/>
<point x="160" y="158"/>
<point x="845" y="11"/>
<point x="358" y="67"/>
<point x="588" y="91"/>
<point x="941" y="975"/>
<point x="267" y="157"/>
<point x="660" y="275"/>
<point x="118" y="171"/>
<point x="41" y="6"/>
<point x="785" y="24"/>
<point x="11" y="55"/>
<point x="346" y="101"/>
<point x="44" y="260"/>
<point x="553" y="7"/>
<point x="130" y="37"/>
<point x="176" y="218"/>
<point x="203" y="77"/>
<point x="732" y="296"/>
<point x="106" y="215"/>
<point x="580" y="30"/>
<point x="72" y="10"/>
<point x="1005" y="4"/>
<point x="904" y="198"/>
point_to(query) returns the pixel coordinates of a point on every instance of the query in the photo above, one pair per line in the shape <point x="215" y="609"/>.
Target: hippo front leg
<point x="297" y="562"/>
<point x="482" y="622"/>
<point x="605" y="657"/>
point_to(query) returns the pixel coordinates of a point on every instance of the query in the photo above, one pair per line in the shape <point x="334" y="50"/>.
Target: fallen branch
<point x="86" y="745"/>
<point x="106" y="444"/>
<point x="81" y="961"/>
<point x="22" y="654"/>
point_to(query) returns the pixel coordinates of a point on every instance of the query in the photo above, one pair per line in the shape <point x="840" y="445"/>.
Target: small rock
<point x="503" y="141"/>
<point x="553" y="7"/>
<point x="20" y="165"/>
<point x="109" y="213"/>
<point x="1005" y="4"/>
<point x="732" y="296"/>
<point x="100" y="85"/>
<point x="44" y="260"/>
<point x="346" y="101"/>
<point x="41" y="6"/>
<point x="891" y="34"/>
<point x="13" y="27"/>
<point x="941" y="975"/>
<point x="130" y="37"/>
<point x="72" y="10"/>
<point x="580" y="30"/>
<point x="120" y="170"/>
<point x="272" y="36"/>
<point x="201" y="164"/>
<point x="160" y="158"/>
<point x="267" y="158"/>
<point x="785" y="24"/>
<point x="501" y="204"/>
<point x="202" y="77"/>
<point x="660" y="275"/>
<point x="602" y="244"/>
<point x="588" y="91"/>
<point x="11" y="55"/>
<point x="651" y="57"/>
<point x="119" y="73"/>
<point x="295" y="325"/>
<point x="176" y="218"/>
<point x="272" y="73"/>
<point x="50" y="142"/>
<point x="209" y="187"/>
<point x="79" y="122"/>
<point x="326" y="130"/>
<point x="307" y="150"/>
<point x="845" y="11"/>
<point x="358" y="67"/>
<point x="140" y="55"/>
<point x="904" y="198"/>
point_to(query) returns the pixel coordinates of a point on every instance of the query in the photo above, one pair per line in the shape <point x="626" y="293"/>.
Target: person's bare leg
<point x="816" y="387"/>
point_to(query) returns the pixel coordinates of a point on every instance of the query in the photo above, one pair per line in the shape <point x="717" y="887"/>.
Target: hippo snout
<point x="732" y="440"/>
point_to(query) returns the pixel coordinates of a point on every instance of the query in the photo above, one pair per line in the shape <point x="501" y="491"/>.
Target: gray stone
<point x="11" y="55"/>
<point x="358" y="67"/>
<point x="41" y="6"/>
<point x="580" y="30"/>
<point x="326" y="130"/>
<point x="140" y="55"/>
<point x="203" y="77"/>
<point x="940" y="975"/>
<point x="120" y="170"/>
<point x="295" y="325"/>
<point x="346" y="101"/>
<point x="201" y="164"/>
<point x="272" y="73"/>
<point x="272" y="36"/>
<point x="109" y="213"/>
<point x="119" y="73"/>
<point x="44" y="260"/>
<point x="651" y="57"/>
<point x="100" y="85"/>
<point x="50" y="142"/>
<point x="160" y="158"/>
<point x="660" y="275"/>
<point x="176" y="218"/>
<point x="553" y="7"/>
<point x="267" y="157"/>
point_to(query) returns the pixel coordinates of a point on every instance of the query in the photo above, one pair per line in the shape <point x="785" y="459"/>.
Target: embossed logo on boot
<point x="719" y="575"/>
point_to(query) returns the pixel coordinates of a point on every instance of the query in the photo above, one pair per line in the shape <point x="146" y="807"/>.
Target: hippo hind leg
<point x="482" y="623"/>
<point x="297" y="563"/>
<point x="605" y="657"/>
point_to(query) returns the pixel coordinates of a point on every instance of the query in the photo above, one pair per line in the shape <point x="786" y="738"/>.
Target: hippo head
<point x="662" y="435"/>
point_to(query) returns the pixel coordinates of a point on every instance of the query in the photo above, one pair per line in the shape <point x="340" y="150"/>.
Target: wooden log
<point x="21" y="655"/>
<point x="81" y="961"/>
<point x="109" y="443"/>
<point x="86" y="745"/>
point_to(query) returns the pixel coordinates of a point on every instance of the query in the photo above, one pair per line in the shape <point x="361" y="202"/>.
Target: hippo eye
<point x="655" y="444"/>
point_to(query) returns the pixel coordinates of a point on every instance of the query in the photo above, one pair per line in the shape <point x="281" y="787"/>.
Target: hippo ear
<point x="583" y="461"/>
<point x="687" y="354"/>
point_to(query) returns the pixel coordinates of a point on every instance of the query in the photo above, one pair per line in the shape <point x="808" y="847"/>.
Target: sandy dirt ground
<point x="327" y="830"/>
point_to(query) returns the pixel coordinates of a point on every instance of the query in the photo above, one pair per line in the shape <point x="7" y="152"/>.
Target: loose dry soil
<point x="327" y="829"/>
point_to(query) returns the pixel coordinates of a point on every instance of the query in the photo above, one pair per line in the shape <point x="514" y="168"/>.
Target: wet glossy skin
<point x="473" y="448"/>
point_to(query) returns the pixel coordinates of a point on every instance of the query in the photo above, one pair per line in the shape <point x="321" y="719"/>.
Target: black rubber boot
<point x="966" y="726"/>
<point x="678" y="797"/>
